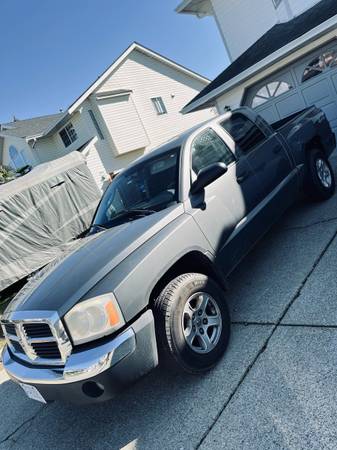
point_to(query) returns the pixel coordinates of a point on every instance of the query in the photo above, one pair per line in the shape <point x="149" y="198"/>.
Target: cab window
<point x="208" y="148"/>
<point x="244" y="132"/>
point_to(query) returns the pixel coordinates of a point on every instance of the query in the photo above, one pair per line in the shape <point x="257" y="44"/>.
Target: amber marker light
<point x="112" y="314"/>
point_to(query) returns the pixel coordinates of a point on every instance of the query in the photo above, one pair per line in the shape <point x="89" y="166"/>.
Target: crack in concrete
<point x="285" y="324"/>
<point x="265" y="345"/>
<point x="303" y="227"/>
<point x="19" y="427"/>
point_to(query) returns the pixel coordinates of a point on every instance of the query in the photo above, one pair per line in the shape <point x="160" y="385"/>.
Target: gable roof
<point x="272" y="41"/>
<point x="30" y="127"/>
<point x="43" y="126"/>
<point x="121" y="59"/>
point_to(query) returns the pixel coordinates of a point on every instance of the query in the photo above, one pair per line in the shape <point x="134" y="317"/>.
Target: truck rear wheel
<point x="321" y="180"/>
<point x="192" y="323"/>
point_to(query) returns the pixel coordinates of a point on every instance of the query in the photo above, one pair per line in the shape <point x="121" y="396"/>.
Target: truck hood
<point x="84" y="263"/>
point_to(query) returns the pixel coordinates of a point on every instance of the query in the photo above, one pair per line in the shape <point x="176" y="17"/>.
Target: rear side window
<point x="244" y="132"/>
<point x="208" y="148"/>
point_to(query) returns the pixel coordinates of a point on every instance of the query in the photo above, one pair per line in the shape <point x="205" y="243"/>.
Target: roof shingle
<point x="30" y="127"/>
<point x="277" y="37"/>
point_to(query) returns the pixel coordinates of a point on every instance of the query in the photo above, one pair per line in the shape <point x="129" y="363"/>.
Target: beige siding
<point x="129" y="133"/>
<point x="148" y="78"/>
<point x="117" y="112"/>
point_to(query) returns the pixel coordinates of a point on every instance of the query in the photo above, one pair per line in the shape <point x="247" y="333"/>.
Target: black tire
<point x="171" y="319"/>
<point x="316" y="189"/>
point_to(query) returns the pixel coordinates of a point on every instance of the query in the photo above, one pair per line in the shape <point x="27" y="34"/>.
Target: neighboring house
<point x="130" y="109"/>
<point x="283" y="52"/>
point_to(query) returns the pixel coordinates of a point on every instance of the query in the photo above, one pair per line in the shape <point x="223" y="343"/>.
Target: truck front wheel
<point x="192" y="323"/>
<point x="321" y="181"/>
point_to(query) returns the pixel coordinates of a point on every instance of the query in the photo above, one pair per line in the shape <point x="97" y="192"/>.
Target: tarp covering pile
<point x="40" y="212"/>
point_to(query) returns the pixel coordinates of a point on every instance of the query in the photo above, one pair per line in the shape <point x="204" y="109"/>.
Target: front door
<point x="226" y="202"/>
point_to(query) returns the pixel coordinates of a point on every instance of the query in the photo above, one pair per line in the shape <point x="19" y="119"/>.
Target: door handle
<point x="242" y="177"/>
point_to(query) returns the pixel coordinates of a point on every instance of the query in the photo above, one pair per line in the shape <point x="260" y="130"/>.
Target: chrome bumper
<point x="82" y="365"/>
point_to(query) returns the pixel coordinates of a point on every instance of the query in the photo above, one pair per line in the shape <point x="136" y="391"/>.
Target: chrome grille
<point x="10" y="329"/>
<point x="37" y="330"/>
<point x="41" y="341"/>
<point x="46" y="350"/>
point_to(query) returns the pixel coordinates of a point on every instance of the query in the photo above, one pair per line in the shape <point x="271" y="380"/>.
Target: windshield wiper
<point x="125" y="214"/>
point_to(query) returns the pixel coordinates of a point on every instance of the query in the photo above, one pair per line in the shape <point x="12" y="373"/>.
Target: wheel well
<point x="314" y="143"/>
<point x="194" y="261"/>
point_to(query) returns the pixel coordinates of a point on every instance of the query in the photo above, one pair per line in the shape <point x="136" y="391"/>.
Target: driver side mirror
<point x="207" y="175"/>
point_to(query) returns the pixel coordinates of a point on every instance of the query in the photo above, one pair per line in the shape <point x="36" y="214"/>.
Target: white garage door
<point x="311" y="81"/>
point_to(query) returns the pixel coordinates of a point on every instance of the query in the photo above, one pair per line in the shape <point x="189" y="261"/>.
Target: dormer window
<point x="68" y="134"/>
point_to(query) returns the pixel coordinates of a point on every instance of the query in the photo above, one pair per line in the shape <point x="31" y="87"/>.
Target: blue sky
<point x="52" y="50"/>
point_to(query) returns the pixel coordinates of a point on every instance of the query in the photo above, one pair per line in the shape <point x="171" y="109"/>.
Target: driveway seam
<point x="264" y="346"/>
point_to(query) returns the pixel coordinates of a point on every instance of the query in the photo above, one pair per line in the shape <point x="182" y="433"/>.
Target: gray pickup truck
<point x="148" y="282"/>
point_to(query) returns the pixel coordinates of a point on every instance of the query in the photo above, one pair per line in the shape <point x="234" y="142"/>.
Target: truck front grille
<point x="39" y="341"/>
<point x="37" y="330"/>
<point x="46" y="350"/>
<point x="10" y="329"/>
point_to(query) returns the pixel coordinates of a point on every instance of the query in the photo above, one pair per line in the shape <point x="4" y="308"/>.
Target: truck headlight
<point x="94" y="318"/>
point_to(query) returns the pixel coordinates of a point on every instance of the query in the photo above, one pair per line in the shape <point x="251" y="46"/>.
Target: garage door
<point x="311" y="81"/>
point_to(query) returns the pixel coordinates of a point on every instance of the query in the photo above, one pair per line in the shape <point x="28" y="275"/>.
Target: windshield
<point x="149" y="186"/>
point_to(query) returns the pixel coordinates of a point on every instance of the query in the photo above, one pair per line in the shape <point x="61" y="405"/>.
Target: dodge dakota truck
<point x="147" y="283"/>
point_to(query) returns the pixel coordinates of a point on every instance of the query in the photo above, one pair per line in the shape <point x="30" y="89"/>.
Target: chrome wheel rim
<point x="201" y="322"/>
<point x="323" y="173"/>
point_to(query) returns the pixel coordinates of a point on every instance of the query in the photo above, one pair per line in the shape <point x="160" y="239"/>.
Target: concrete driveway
<point x="275" y="389"/>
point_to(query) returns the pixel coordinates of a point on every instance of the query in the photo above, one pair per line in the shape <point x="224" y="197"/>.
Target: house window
<point x="320" y="64"/>
<point x="277" y="3"/>
<point x="94" y="121"/>
<point x="17" y="160"/>
<point x="68" y="134"/>
<point x="270" y="91"/>
<point x="159" y="105"/>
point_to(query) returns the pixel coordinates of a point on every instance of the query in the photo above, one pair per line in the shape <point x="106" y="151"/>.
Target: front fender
<point x="133" y="280"/>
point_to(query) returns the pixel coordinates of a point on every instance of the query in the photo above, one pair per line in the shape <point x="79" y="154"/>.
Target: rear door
<point x="267" y="157"/>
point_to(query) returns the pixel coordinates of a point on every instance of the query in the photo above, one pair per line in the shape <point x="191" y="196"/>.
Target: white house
<point x="133" y="107"/>
<point x="283" y="56"/>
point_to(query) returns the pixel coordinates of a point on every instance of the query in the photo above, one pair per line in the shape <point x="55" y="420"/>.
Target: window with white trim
<point x="159" y="105"/>
<point x="68" y="134"/>
<point x="270" y="91"/>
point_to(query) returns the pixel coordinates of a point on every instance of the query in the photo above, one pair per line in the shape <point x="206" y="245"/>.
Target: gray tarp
<point x="40" y="212"/>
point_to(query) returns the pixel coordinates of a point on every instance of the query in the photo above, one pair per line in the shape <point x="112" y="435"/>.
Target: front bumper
<point x="95" y="374"/>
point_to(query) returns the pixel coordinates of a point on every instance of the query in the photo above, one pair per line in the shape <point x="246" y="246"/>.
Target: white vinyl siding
<point x="124" y="123"/>
<point x="148" y="78"/>
<point x="243" y="22"/>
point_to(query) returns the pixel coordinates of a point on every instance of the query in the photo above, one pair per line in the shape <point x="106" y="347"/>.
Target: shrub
<point x="6" y="174"/>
